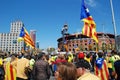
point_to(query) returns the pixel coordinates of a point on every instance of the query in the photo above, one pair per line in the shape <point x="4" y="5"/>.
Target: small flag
<point x="89" y="28"/>
<point x="24" y="36"/>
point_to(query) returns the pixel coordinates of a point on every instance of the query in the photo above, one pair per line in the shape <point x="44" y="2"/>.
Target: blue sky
<point x="49" y="16"/>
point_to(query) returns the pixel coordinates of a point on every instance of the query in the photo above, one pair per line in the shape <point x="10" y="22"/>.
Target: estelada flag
<point x="26" y="37"/>
<point x="89" y="28"/>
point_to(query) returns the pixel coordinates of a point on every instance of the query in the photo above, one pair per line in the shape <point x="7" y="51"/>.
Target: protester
<point x="10" y="64"/>
<point x="41" y="70"/>
<point x="2" y="71"/>
<point x="117" y="69"/>
<point x="109" y="64"/>
<point x="59" y="59"/>
<point x="101" y="68"/>
<point x="22" y="63"/>
<point x="83" y="71"/>
<point x="94" y="56"/>
<point x="66" y="71"/>
<point x="114" y="58"/>
<point x="13" y="61"/>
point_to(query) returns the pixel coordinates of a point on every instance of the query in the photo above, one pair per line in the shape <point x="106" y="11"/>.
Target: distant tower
<point x="33" y="35"/>
<point x="38" y="44"/>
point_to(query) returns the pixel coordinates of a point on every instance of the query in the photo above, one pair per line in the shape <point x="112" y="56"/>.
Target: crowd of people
<point x="69" y="66"/>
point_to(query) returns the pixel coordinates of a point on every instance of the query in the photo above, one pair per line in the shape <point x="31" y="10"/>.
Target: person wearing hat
<point x="83" y="71"/>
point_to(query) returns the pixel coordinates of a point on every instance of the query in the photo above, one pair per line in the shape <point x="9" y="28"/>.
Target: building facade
<point x="84" y="43"/>
<point x="38" y="44"/>
<point x="118" y="42"/>
<point x="8" y="41"/>
<point x="33" y="35"/>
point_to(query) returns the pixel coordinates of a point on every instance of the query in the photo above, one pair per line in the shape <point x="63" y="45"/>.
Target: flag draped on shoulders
<point x="24" y="35"/>
<point x="89" y="28"/>
<point x="101" y="69"/>
<point x="10" y="72"/>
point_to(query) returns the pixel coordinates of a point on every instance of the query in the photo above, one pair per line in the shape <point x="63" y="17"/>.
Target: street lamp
<point x="64" y="33"/>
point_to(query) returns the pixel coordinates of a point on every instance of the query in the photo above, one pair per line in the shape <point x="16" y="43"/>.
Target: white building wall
<point x="8" y="41"/>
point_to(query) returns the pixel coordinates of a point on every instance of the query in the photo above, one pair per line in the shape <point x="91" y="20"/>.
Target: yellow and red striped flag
<point x="101" y="69"/>
<point x="10" y="72"/>
<point x="24" y="35"/>
<point x="89" y="28"/>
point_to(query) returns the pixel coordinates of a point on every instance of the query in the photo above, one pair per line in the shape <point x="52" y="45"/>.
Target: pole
<point x="114" y="25"/>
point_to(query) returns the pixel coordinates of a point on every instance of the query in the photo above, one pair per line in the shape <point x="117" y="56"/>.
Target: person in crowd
<point x="22" y="63"/>
<point x="41" y="70"/>
<point x="70" y="57"/>
<point x="59" y="59"/>
<point x="81" y="56"/>
<point x="13" y="61"/>
<point x="2" y="71"/>
<point x="117" y="69"/>
<point x="83" y="71"/>
<point x="114" y="58"/>
<point x="66" y="71"/>
<point x="101" y="68"/>
<point x="88" y="57"/>
<point x="94" y="56"/>
<point x="109" y="64"/>
<point x="51" y="61"/>
<point x="10" y="67"/>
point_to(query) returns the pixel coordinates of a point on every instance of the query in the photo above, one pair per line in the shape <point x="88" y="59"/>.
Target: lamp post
<point x="64" y="32"/>
<point x="114" y="25"/>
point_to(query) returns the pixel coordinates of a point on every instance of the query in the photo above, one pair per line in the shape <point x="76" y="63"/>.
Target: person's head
<point x="113" y="52"/>
<point x="66" y="71"/>
<point x="100" y="54"/>
<point x="109" y="54"/>
<point x="41" y="55"/>
<point x="13" y="56"/>
<point x="81" y="55"/>
<point x="27" y="56"/>
<point x="82" y="66"/>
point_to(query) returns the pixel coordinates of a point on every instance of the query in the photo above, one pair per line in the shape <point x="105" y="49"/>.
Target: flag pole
<point x="114" y="25"/>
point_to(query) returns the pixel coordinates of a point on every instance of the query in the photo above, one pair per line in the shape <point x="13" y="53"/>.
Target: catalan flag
<point x="89" y="28"/>
<point x="101" y="69"/>
<point x="10" y="72"/>
<point x="26" y="37"/>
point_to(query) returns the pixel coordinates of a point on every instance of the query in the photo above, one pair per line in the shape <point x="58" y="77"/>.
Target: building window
<point x="69" y="49"/>
<point x="69" y="45"/>
<point x="73" y="44"/>
<point x="81" y="41"/>
<point x="85" y="40"/>
<point x="77" y="44"/>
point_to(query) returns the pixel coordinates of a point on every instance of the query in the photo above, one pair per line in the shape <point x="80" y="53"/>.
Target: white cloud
<point x="91" y="3"/>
